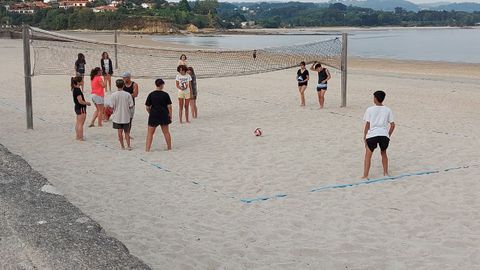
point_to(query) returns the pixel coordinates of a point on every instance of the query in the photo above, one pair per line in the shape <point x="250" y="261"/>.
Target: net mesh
<point x="55" y="54"/>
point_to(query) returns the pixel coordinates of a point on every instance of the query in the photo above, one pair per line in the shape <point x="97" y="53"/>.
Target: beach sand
<point x="182" y="209"/>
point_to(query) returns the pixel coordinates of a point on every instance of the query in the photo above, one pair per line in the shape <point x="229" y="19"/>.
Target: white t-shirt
<point x="183" y="80"/>
<point x="121" y="103"/>
<point x="106" y="64"/>
<point x="379" y="117"/>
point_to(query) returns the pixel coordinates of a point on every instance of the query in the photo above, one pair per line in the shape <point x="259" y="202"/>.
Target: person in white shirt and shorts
<point x="183" y="82"/>
<point x="379" y="126"/>
<point x="122" y="103"/>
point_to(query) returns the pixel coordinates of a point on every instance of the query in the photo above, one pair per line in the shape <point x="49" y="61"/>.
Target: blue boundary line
<point x="354" y="184"/>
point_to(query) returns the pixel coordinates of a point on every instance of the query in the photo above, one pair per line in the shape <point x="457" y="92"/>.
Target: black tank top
<point x="322" y="75"/>
<point x="129" y="89"/>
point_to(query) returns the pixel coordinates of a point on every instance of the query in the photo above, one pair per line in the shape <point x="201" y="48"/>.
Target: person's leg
<point x="193" y="104"/>
<point x="127" y="138"/>
<point x="101" y="109"/>
<point x="150" y="132"/>
<point x="367" y="162"/>
<point x="321" y="98"/>
<point x="181" y="101"/>
<point x="301" y="90"/>
<point x="187" y="103"/>
<point x="384" y="162"/>
<point x="168" y="138"/>
<point x="77" y="126"/>
<point x="82" y="123"/>
<point x="109" y="82"/>
<point x="120" y="137"/>
<point x="94" y="117"/>
<point x="131" y="121"/>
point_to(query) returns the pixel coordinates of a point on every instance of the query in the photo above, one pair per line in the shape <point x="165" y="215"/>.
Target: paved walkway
<point x="40" y="229"/>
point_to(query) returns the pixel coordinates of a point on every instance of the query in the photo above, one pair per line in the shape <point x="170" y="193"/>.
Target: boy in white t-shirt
<point x="379" y="127"/>
<point x="122" y="103"/>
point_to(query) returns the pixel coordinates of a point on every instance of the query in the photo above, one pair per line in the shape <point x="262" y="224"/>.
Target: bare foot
<point x="129" y="148"/>
<point x="365" y="177"/>
<point x="91" y="125"/>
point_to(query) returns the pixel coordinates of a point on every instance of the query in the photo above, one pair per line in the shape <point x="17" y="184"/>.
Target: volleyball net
<point x="55" y="54"/>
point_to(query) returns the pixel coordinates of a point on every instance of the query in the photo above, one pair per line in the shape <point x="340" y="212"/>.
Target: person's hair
<point x="183" y="55"/>
<point x="105" y="53"/>
<point x="191" y="70"/>
<point x="81" y="57"/>
<point x="159" y="82"/>
<point x="379" y="95"/>
<point x="318" y="65"/>
<point x="302" y="63"/>
<point x="182" y="67"/>
<point x="120" y="83"/>
<point x="94" y="72"/>
<point x="75" y="81"/>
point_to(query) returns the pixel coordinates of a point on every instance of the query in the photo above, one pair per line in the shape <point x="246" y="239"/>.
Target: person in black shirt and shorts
<point x="323" y="77"/>
<point x="302" y="79"/>
<point x="80" y="68"/>
<point x="159" y="108"/>
<point x="80" y="106"/>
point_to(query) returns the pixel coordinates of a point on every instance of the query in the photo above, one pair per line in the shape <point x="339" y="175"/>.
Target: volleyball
<point x="258" y="132"/>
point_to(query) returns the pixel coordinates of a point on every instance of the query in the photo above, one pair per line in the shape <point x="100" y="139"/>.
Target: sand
<point x="183" y="210"/>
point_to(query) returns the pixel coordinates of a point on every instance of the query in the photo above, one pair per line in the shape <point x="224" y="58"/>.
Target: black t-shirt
<point x="129" y="89"/>
<point x="159" y="101"/>
<point x="77" y="92"/>
<point x="302" y="76"/>
<point x="80" y="66"/>
<point x="322" y="75"/>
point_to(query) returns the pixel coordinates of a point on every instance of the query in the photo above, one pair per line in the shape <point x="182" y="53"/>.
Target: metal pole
<point x="344" y="69"/>
<point x="28" y="75"/>
<point x="115" y="40"/>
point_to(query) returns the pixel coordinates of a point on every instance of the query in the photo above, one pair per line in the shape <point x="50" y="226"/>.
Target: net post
<point x="344" y="69"/>
<point x="27" y="68"/>
<point x="115" y="40"/>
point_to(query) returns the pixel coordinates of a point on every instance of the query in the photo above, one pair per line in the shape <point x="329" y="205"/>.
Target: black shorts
<point x="125" y="127"/>
<point x="81" y="110"/>
<point x="321" y="88"/>
<point x="303" y="84"/>
<point x="383" y="141"/>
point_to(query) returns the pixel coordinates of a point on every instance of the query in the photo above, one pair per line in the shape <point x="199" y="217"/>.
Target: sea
<point x="459" y="45"/>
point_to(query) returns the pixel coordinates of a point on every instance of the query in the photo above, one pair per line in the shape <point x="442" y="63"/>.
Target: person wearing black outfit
<point x="130" y="87"/>
<point x="107" y="70"/>
<point x="80" y="106"/>
<point x="323" y="77"/>
<point x="80" y="67"/>
<point x="302" y="78"/>
<point x="159" y="108"/>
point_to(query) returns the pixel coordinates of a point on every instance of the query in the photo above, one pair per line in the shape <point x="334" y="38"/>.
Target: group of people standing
<point x="303" y="76"/>
<point x="121" y="104"/>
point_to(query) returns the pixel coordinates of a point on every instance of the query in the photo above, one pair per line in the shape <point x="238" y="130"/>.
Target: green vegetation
<point x="210" y="13"/>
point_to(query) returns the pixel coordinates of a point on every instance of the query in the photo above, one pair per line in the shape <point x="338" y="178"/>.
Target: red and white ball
<point x="258" y="132"/>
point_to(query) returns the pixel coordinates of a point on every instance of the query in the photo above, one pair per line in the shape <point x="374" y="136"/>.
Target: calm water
<point x="452" y="45"/>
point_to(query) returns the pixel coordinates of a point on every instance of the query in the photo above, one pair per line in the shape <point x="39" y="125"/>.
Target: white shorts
<point x="97" y="99"/>
<point x="185" y="94"/>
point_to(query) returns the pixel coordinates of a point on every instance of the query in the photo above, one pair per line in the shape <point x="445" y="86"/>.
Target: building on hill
<point x="26" y="7"/>
<point x="72" y="3"/>
<point x="104" y="9"/>
<point x="148" y="5"/>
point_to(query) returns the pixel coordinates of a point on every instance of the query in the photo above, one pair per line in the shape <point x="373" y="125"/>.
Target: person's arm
<point x="365" y="130"/>
<point x="392" y="128"/>
<point x="135" y="90"/>
<point x="82" y="101"/>
<point x="328" y="76"/>
<point x="177" y="84"/>
<point x="102" y="82"/>
<point x="312" y="67"/>
<point x="308" y="78"/>
<point x="148" y="108"/>
<point x="170" y="111"/>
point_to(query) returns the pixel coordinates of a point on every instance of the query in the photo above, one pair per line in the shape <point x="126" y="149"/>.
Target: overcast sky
<point x="318" y="1"/>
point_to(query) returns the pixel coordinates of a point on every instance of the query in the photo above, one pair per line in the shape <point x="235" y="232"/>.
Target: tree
<point x="206" y="7"/>
<point x="183" y="5"/>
